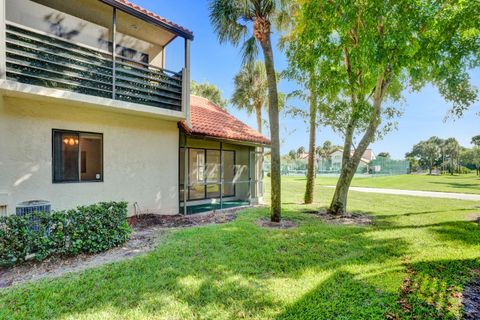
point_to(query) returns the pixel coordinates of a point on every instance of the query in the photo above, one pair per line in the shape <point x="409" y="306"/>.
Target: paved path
<point x="430" y="194"/>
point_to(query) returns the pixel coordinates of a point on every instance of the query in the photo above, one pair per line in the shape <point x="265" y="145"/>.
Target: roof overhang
<point x="145" y="17"/>
<point x="219" y="139"/>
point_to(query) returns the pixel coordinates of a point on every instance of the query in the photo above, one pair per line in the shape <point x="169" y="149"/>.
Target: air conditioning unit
<point x="31" y="206"/>
<point x="27" y="207"/>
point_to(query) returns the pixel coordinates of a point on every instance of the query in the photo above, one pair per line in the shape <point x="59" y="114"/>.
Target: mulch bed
<point x="471" y="299"/>
<point x="147" y="233"/>
<point x="283" y="224"/>
<point x="354" y="218"/>
<point x="180" y="221"/>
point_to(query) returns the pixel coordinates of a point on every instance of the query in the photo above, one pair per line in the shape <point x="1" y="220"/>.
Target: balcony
<point x="56" y="49"/>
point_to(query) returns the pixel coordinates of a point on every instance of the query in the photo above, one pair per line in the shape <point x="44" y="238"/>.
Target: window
<point x="77" y="156"/>
<point x="205" y="172"/>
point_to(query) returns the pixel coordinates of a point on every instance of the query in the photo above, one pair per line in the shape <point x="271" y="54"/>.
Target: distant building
<point x="334" y="162"/>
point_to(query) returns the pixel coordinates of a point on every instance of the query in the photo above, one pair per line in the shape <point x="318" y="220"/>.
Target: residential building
<point x="89" y="112"/>
<point x="334" y="162"/>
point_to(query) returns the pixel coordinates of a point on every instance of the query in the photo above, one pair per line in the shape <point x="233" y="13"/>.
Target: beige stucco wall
<point x="140" y="156"/>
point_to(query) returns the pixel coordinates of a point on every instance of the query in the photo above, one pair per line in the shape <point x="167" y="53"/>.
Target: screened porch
<point x="218" y="174"/>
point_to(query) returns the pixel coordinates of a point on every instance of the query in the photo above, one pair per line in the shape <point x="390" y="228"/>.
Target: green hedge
<point x="86" y="229"/>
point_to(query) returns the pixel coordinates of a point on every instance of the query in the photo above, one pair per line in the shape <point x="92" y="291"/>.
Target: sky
<point x="424" y="111"/>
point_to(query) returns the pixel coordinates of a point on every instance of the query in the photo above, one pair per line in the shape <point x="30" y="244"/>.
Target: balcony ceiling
<point x="101" y="14"/>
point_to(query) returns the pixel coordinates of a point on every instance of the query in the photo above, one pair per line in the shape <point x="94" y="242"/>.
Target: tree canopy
<point x="426" y="152"/>
<point x="476" y="140"/>
<point x="208" y="91"/>
<point x="384" y="154"/>
<point x="250" y="90"/>
<point x="366" y="54"/>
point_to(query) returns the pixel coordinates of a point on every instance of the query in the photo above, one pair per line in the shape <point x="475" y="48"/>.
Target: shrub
<point x="463" y="170"/>
<point x="86" y="229"/>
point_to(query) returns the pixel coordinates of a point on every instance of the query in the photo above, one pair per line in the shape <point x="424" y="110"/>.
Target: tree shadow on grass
<point x="342" y="296"/>
<point x="458" y="185"/>
<point x="409" y="214"/>
<point x="466" y="232"/>
<point x="436" y="288"/>
<point x="221" y="271"/>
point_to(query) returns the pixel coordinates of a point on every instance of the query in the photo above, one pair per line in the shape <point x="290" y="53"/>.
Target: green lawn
<point x="466" y="183"/>
<point x="317" y="271"/>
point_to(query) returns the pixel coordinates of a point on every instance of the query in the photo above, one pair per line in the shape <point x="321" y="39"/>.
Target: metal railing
<point x="38" y="58"/>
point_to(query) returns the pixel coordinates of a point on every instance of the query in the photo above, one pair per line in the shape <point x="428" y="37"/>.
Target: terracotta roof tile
<point x="207" y="119"/>
<point x="154" y="15"/>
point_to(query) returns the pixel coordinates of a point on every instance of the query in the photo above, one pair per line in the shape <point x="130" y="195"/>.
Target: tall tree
<point x="385" y="155"/>
<point x="300" y="151"/>
<point x="427" y="152"/>
<point x="366" y="55"/>
<point x="476" y="140"/>
<point x="209" y="91"/>
<point x="310" y="187"/>
<point x="292" y="154"/>
<point x="286" y="23"/>
<point x="325" y="151"/>
<point x="237" y="20"/>
<point x="250" y="90"/>
<point x="451" y="150"/>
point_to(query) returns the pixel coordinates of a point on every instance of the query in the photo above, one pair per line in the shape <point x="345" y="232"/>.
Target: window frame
<point x="79" y="134"/>
<point x="234" y="174"/>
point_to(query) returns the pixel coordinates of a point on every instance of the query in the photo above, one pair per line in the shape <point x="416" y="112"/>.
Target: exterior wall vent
<point x="27" y="207"/>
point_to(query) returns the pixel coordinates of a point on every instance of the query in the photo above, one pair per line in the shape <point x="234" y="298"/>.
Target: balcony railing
<point x="45" y="60"/>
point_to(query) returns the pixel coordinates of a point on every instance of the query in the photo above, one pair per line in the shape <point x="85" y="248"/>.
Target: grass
<point x="465" y="183"/>
<point x="316" y="271"/>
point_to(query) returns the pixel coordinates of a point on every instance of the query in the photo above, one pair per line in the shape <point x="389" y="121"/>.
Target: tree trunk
<point x="258" y="113"/>
<point x="350" y="163"/>
<point x="338" y="205"/>
<point x="276" y="200"/>
<point x="311" y="148"/>
<point x="339" y="201"/>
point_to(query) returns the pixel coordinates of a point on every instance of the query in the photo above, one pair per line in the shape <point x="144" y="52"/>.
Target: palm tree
<point x="250" y="92"/>
<point x="309" y="188"/>
<point x="451" y="148"/>
<point x="231" y="20"/>
<point x="325" y="151"/>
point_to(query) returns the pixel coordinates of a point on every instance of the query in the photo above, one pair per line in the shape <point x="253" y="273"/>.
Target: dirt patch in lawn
<point x="471" y="299"/>
<point x="147" y="233"/>
<point x="354" y="218"/>
<point x="283" y="224"/>
<point x="181" y="221"/>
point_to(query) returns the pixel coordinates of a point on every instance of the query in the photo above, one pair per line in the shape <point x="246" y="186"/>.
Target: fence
<point x="325" y="167"/>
